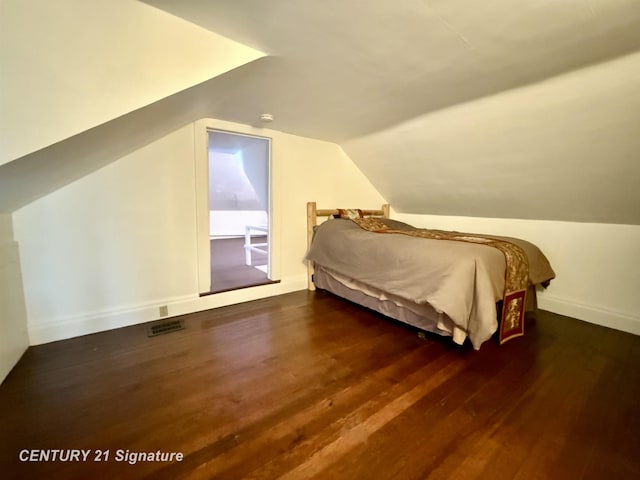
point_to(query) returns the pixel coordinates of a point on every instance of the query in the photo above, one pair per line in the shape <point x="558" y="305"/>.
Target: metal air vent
<point x="166" y="326"/>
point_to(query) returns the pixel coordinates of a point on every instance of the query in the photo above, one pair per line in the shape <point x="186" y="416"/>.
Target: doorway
<point x="239" y="222"/>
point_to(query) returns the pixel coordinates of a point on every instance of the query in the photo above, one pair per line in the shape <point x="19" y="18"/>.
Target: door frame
<point x="201" y="157"/>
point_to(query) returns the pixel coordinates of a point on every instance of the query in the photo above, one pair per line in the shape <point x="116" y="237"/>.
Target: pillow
<point x="349" y="213"/>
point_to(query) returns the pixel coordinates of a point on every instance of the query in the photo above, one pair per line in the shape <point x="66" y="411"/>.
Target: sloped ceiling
<point x="44" y="171"/>
<point x="456" y="107"/>
<point x="71" y="65"/>
<point x="564" y="149"/>
<point x="84" y="83"/>
<point x="353" y="67"/>
<point x="459" y="107"/>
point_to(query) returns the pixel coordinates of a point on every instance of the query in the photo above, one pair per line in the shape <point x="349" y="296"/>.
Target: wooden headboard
<point x="312" y="220"/>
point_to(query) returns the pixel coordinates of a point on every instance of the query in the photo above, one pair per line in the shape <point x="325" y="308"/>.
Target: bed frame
<point x="312" y="220"/>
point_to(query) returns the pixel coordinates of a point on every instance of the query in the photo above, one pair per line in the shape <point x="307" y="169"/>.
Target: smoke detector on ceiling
<point x="266" y="117"/>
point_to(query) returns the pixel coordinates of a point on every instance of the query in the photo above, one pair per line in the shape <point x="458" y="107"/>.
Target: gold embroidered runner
<point x="516" y="272"/>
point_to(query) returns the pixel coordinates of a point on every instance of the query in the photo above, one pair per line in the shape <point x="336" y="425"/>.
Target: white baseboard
<point x="94" y="322"/>
<point x="589" y="313"/>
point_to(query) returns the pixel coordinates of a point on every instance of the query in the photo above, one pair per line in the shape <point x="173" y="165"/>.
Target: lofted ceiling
<point x="349" y="68"/>
<point x="456" y="107"/>
<point x="71" y="65"/>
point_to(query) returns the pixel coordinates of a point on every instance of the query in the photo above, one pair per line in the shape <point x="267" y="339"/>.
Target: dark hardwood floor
<point x="307" y="385"/>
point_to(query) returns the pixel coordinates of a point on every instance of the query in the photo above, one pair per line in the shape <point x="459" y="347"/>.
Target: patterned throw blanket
<point x="516" y="275"/>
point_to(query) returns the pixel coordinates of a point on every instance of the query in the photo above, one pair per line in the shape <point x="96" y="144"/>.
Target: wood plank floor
<point x="307" y="385"/>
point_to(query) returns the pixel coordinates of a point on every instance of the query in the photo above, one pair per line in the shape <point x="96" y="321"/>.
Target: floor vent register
<point x="167" y="326"/>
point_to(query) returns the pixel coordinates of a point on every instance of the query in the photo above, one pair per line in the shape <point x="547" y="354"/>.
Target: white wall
<point x="13" y="319"/>
<point x="232" y="223"/>
<point x="6" y="228"/>
<point x="257" y="170"/>
<point x="109" y="249"/>
<point x="597" y="265"/>
<point x="110" y="245"/>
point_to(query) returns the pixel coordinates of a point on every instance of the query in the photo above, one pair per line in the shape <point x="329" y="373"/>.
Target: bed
<point x="466" y="286"/>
